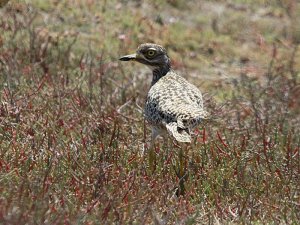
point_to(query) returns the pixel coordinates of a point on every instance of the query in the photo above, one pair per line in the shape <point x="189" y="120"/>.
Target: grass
<point x="71" y="118"/>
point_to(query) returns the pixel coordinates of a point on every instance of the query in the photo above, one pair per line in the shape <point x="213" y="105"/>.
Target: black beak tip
<point x="124" y="58"/>
<point x="128" y="57"/>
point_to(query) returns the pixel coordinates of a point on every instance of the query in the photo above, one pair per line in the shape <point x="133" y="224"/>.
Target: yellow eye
<point x="150" y="53"/>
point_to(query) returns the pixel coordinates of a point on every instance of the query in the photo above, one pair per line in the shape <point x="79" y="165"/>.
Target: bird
<point x="173" y="105"/>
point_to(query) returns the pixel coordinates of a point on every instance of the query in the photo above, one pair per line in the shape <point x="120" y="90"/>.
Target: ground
<point x="71" y="114"/>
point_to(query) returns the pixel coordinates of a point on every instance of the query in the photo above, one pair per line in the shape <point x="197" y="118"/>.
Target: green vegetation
<point x="71" y="118"/>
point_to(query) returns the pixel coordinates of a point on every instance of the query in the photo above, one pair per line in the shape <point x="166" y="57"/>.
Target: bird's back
<point x="172" y="99"/>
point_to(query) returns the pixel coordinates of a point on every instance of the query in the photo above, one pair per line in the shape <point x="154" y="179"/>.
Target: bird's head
<point x="152" y="55"/>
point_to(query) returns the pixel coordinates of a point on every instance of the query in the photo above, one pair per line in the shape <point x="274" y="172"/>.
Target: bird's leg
<point x="182" y="168"/>
<point x="152" y="154"/>
<point x="167" y="144"/>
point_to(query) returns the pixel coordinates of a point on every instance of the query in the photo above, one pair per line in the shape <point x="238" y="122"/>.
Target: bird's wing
<point x="174" y="99"/>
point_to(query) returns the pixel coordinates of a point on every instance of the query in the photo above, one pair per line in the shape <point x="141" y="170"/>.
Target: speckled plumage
<point x="173" y="104"/>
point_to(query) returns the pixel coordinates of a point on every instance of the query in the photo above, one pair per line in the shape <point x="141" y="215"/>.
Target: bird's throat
<point x="159" y="72"/>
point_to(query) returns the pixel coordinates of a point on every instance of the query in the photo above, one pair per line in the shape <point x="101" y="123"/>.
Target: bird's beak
<point x="128" y="57"/>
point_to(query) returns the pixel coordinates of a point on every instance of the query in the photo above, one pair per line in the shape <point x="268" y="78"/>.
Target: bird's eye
<point x="150" y="53"/>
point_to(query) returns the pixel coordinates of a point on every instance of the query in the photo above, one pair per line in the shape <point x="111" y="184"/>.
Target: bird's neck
<point x="159" y="72"/>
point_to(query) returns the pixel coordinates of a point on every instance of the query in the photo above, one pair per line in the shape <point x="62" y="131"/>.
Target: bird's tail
<point x="181" y="135"/>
